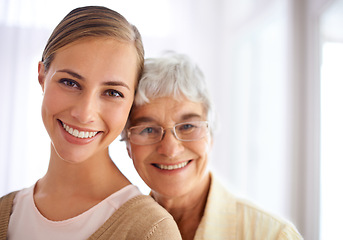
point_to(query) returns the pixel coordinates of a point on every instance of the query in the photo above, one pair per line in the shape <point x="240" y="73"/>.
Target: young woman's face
<point x="171" y="167"/>
<point x="88" y="93"/>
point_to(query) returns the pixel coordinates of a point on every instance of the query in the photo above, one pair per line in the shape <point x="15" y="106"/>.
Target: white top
<point x="27" y="222"/>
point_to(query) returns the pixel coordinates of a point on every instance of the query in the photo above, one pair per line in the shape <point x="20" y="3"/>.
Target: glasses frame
<point x="173" y="132"/>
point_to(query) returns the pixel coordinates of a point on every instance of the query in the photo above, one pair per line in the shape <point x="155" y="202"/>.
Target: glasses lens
<point x="190" y="131"/>
<point x="144" y="135"/>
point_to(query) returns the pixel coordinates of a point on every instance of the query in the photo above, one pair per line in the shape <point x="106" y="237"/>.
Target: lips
<point x="78" y="133"/>
<point x="172" y="167"/>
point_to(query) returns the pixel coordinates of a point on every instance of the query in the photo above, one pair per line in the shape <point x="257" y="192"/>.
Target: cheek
<point x="202" y="146"/>
<point x="136" y="154"/>
<point x="52" y="103"/>
<point x="116" y="116"/>
<point x="139" y="155"/>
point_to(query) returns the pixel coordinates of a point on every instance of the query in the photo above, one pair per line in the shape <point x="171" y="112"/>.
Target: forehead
<point x="98" y="57"/>
<point x="167" y="110"/>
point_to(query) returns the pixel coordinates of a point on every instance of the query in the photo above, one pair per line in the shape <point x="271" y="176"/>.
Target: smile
<point x="172" y="167"/>
<point x="77" y="133"/>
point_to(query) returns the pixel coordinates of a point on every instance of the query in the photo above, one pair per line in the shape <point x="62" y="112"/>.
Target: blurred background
<point x="275" y="72"/>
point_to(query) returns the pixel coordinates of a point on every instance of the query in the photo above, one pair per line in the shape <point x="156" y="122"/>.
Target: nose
<point x="170" y="146"/>
<point x="85" y="108"/>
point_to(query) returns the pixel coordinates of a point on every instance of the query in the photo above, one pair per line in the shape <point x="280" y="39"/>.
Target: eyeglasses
<point x="150" y="134"/>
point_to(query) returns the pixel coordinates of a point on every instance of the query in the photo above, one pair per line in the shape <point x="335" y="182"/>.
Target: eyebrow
<point x="74" y="74"/>
<point x="143" y="120"/>
<point x="107" y="83"/>
<point x="190" y="115"/>
<point x="116" y="83"/>
<point x="184" y="117"/>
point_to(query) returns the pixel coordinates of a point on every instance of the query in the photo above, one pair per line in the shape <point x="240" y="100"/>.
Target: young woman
<point x="169" y="138"/>
<point x="88" y="74"/>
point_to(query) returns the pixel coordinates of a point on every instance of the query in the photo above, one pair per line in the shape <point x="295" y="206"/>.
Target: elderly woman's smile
<point x="171" y="164"/>
<point x="171" y="167"/>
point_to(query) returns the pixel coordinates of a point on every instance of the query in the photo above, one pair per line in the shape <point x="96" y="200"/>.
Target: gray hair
<point x="173" y="75"/>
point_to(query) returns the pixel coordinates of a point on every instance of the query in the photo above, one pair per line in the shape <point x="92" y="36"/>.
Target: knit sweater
<point x="228" y="217"/>
<point x="138" y="218"/>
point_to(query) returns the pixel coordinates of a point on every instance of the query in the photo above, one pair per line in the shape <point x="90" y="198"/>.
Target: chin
<point x="72" y="157"/>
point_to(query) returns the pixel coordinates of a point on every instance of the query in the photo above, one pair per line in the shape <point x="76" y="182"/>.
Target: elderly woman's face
<point x="170" y="167"/>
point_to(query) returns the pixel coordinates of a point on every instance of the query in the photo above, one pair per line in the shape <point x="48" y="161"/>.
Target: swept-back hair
<point x="92" y="21"/>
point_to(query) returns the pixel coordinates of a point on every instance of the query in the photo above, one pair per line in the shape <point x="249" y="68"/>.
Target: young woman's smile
<point x="88" y="92"/>
<point x="78" y="135"/>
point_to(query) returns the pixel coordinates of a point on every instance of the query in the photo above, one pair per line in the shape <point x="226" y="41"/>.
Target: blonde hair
<point x="92" y="21"/>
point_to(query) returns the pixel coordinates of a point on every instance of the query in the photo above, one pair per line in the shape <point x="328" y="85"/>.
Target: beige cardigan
<point x="139" y="218"/>
<point x="229" y="218"/>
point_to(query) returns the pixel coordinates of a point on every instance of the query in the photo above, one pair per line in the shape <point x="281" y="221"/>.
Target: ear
<point x="211" y="141"/>
<point x="128" y="149"/>
<point x="41" y="74"/>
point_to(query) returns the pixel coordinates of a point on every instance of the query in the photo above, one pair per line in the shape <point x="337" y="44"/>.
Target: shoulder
<point x="6" y="203"/>
<point x="255" y="221"/>
<point x="242" y="218"/>
<point x="139" y="218"/>
<point x="145" y="206"/>
<point x="150" y="219"/>
<point x="7" y="198"/>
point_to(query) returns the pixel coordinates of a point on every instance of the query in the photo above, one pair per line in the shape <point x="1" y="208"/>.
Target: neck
<point x="69" y="189"/>
<point x="98" y="177"/>
<point x="188" y="209"/>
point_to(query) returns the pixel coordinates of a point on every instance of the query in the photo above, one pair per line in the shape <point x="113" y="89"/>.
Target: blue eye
<point x="186" y="127"/>
<point x="148" y="130"/>
<point x="113" y="93"/>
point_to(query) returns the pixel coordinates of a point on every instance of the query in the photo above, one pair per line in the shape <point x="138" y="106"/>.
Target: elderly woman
<point x="169" y="138"/>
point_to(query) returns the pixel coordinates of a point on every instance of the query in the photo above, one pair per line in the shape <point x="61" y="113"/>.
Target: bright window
<point x="331" y="140"/>
<point x="331" y="147"/>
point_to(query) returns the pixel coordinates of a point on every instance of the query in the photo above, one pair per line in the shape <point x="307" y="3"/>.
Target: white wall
<point x="259" y="59"/>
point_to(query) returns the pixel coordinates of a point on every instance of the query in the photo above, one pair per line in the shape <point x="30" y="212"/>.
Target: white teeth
<point x="172" y="167"/>
<point x="77" y="133"/>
